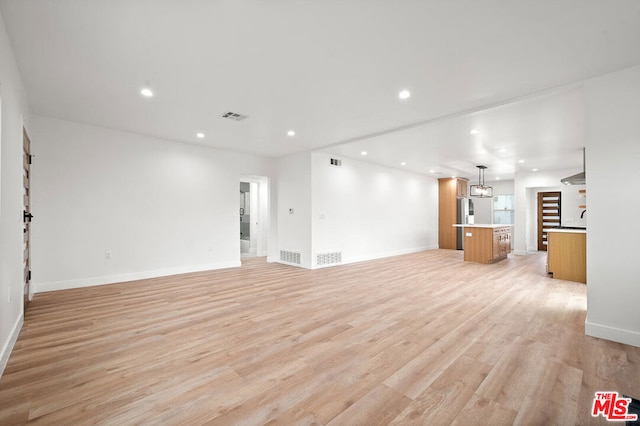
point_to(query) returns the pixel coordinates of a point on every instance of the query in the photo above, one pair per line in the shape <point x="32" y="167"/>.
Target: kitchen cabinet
<point x="462" y="186"/>
<point x="486" y="243"/>
<point x="567" y="254"/>
<point x="449" y="191"/>
<point x="501" y="243"/>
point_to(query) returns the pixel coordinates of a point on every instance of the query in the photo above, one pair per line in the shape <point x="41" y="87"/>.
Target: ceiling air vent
<point x="335" y="162"/>
<point x="234" y="116"/>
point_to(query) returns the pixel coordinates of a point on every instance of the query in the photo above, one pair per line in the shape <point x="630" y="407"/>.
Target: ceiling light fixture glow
<point x="534" y="170"/>
<point x="146" y="92"/>
<point x="363" y="153"/>
<point x="520" y="161"/>
<point x="291" y="133"/>
<point x="474" y="132"/>
<point x="403" y="164"/>
<point x="404" y="94"/>
<point x="200" y="135"/>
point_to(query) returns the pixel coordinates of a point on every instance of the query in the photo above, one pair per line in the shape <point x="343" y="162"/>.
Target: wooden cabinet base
<point x="567" y="256"/>
<point x="486" y="245"/>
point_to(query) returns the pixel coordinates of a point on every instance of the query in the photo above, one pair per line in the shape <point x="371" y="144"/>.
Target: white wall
<point x="483" y="207"/>
<point x="527" y="185"/>
<point x="367" y="211"/>
<point x="613" y="173"/>
<point x="159" y="207"/>
<point x="570" y="212"/>
<point x="13" y="109"/>
<point x="294" y="192"/>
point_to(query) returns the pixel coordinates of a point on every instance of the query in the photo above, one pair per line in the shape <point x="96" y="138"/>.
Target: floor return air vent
<point x="332" y="258"/>
<point x="290" y="256"/>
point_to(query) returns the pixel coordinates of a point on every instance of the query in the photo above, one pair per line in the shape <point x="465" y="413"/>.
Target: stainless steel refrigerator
<point x="464" y="216"/>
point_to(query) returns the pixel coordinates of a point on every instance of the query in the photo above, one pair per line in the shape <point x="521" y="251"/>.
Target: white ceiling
<point x="332" y="70"/>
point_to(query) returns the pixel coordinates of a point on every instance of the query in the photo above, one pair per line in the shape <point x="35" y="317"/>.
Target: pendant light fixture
<point x="481" y="190"/>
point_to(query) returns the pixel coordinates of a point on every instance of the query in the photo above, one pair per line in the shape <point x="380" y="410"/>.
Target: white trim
<point x="111" y="279"/>
<point x="627" y="337"/>
<point x="282" y="262"/>
<point x="10" y="343"/>
<point x="347" y="260"/>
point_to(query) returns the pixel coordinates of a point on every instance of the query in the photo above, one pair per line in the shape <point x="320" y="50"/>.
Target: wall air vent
<point x="335" y="162"/>
<point x="234" y="116"/>
<point x="290" y="257"/>
<point x="333" y="258"/>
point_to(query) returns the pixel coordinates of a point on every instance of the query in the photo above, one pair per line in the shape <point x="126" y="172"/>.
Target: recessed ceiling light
<point x="403" y="164"/>
<point x="497" y="177"/>
<point x="291" y="133"/>
<point x="503" y="149"/>
<point x="432" y="171"/>
<point x="520" y="161"/>
<point x="146" y="92"/>
<point x="200" y="135"/>
<point x="404" y="94"/>
<point x="363" y="153"/>
<point x="534" y="170"/>
<point x="474" y="131"/>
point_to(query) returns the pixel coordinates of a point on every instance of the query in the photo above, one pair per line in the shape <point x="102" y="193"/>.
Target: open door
<point x="27" y="216"/>
<point x="254" y="215"/>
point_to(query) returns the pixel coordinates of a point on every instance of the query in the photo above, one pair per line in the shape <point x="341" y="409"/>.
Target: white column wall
<point x="294" y="206"/>
<point x="613" y="173"/>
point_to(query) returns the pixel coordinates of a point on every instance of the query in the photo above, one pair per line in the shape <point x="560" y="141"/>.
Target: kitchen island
<point x="567" y="254"/>
<point x="486" y="243"/>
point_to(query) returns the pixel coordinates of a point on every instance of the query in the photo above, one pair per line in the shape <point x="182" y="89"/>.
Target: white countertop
<point x="481" y="225"/>
<point x="568" y="231"/>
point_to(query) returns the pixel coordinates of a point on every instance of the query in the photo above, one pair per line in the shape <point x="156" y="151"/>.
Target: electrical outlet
<point x="107" y="255"/>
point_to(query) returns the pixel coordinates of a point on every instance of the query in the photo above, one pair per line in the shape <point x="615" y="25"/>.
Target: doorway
<point x="27" y="216"/>
<point x="549" y="215"/>
<point x="254" y="216"/>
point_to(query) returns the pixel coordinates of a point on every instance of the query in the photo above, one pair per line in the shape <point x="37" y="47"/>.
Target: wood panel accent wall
<point x="448" y="194"/>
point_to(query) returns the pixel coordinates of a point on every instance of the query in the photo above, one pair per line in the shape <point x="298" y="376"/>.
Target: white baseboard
<point x="610" y="333"/>
<point x="133" y="276"/>
<point x="374" y="256"/>
<point x="10" y="343"/>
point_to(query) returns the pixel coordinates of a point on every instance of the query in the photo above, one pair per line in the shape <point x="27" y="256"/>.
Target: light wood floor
<point x="418" y="339"/>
